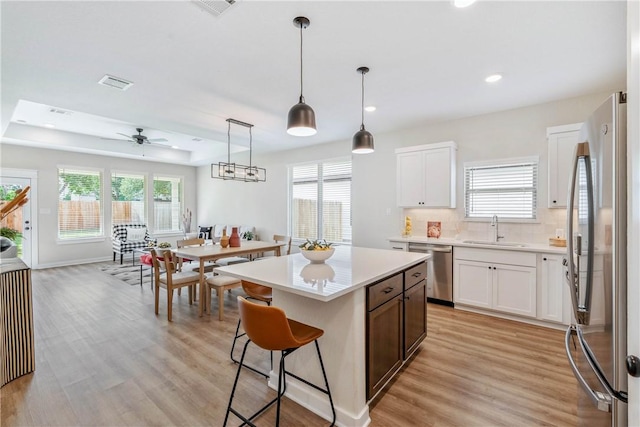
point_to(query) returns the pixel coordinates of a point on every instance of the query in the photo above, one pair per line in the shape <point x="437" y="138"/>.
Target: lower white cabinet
<point x="497" y="280"/>
<point x="553" y="289"/>
<point x="399" y="246"/>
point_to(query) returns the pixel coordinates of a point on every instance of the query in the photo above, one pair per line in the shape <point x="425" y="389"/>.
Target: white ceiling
<point x="192" y="70"/>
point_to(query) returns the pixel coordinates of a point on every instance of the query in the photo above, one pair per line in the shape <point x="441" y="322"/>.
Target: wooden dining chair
<point x="172" y="279"/>
<point x="196" y="241"/>
<point x="279" y="238"/>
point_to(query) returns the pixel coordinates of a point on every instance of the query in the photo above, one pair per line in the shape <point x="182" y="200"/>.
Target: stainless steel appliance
<point x="439" y="271"/>
<point x="596" y="266"/>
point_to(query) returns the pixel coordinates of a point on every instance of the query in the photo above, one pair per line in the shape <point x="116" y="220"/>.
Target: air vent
<point x="115" y="82"/>
<point x="215" y="7"/>
<point x="59" y="111"/>
<point x="196" y="139"/>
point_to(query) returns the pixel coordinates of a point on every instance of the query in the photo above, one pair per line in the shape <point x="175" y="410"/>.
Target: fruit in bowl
<point x="164" y="245"/>
<point x="316" y="251"/>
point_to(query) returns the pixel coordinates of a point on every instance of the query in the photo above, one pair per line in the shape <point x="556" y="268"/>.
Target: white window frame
<point x="320" y="198"/>
<point x="100" y="236"/>
<point x="533" y="160"/>
<point x="176" y="219"/>
<point x="145" y="192"/>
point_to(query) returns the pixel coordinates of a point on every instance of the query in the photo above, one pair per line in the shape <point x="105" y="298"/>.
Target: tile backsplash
<point x="454" y="225"/>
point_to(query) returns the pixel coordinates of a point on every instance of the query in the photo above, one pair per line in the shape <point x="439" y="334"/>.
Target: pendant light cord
<point x="228" y="143"/>
<point x="250" y="147"/>
<point x="301" y="97"/>
<point x="362" y="109"/>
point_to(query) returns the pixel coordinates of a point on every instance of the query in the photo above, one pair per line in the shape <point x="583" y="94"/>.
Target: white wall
<point x="45" y="162"/>
<point x="514" y="133"/>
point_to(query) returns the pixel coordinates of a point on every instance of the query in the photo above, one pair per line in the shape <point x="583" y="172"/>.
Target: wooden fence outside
<point x="13" y="220"/>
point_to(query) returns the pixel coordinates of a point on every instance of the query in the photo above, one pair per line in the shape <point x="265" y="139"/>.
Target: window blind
<point x="321" y="190"/>
<point x="507" y="189"/>
<point x="128" y="201"/>
<point x="79" y="203"/>
<point x="167" y="203"/>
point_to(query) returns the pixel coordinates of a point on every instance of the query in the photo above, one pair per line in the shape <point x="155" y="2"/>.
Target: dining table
<point x="205" y="253"/>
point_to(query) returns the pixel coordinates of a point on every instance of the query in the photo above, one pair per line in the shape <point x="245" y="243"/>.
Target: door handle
<point x="27" y="228"/>
<point x="633" y="366"/>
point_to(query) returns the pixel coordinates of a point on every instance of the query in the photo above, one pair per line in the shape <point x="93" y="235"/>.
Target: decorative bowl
<point x="317" y="257"/>
<point x="317" y="274"/>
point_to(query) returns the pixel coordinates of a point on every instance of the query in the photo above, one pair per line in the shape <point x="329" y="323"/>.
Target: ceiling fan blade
<point x="114" y="139"/>
<point x="158" y="140"/>
<point x="126" y="136"/>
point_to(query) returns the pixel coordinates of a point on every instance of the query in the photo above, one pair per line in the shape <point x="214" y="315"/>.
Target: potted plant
<point x="248" y="235"/>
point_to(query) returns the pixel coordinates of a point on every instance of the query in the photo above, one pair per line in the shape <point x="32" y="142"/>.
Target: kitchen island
<point x="331" y="296"/>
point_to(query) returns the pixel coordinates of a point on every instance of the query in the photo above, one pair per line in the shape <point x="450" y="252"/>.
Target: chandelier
<point x="234" y="171"/>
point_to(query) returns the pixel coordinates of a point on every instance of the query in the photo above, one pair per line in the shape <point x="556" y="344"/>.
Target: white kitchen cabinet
<point x="561" y="143"/>
<point x="552" y="289"/>
<point x="426" y="175"/>
<point x="399" y="246"/>
<point x="497" y="280"/>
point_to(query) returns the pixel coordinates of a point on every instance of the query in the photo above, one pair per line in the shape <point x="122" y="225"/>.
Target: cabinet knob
<point x="544" y="259"/>
<point x="555" y="201"/>
<point x="489" y="267"/>
<point x="494" y="268"/>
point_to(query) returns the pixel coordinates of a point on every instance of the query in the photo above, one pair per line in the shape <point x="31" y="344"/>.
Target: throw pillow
<point x="136" y="234"/>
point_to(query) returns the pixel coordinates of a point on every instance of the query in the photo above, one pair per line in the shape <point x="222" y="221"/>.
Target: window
<point x="167" y="203"/>
<point x="79" y="203"/>
<point x="506" y="188"/>
<point x="321" y="191"/>
<point x="128" y="202"/>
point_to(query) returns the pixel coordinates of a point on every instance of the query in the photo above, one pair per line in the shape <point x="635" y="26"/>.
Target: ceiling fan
<point x="140" y="138"/>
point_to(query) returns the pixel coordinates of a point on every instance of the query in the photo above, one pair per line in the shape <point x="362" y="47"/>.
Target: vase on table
<point x="234" y="240"/>
<point x="224" y="240"/>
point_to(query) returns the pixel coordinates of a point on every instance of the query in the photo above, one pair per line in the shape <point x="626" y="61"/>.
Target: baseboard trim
<point x="70" y="263"/>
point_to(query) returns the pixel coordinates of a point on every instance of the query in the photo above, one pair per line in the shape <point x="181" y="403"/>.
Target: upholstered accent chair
<point x="125" y="238"/>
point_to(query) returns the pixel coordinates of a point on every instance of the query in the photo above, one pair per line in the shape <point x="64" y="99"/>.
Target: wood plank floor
<point x="105" y="359"/>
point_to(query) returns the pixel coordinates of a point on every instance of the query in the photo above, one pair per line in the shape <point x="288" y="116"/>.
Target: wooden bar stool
<point x="259" y="293"/>
<point x="269" y="328"/>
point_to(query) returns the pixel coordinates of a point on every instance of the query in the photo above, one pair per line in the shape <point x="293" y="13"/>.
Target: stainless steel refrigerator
<point x="596" y="269"/>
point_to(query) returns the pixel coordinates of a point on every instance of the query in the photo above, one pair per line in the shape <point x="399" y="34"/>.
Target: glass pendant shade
<point x="362" y="142"/>
<point x="302" y="120"/>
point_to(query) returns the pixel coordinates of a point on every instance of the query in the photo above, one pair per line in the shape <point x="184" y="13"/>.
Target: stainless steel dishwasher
<point x="439" y="271"/>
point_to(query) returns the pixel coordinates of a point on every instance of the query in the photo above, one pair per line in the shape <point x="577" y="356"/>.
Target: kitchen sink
<point x="487" y="242"/>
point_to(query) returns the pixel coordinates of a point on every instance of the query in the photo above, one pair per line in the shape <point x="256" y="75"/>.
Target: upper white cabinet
<point x="562" y="141"/>
<point x="426" y="175"/>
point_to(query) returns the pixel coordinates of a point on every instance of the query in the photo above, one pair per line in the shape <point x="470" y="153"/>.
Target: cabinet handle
<point x="544" y="259"/>
<point x="389" y="289"/>
<point x="494" y="268"/>
<point x="489" y="267"/>
<point x="396" y="247"/>
<point x="554" y="201"/>
<point x="416" y="274"/>
<point x="407" y="298"/>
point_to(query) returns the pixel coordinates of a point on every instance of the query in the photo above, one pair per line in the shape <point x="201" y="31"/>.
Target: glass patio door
<point x="20" y="219"/>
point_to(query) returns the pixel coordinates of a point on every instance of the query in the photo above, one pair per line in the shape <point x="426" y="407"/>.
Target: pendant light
<point x="234" y="171"/>
<point x="302" y="119"/>
<point x="362" y="140"/>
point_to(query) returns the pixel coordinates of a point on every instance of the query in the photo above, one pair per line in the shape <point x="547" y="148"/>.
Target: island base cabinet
<point x="384" y="336"/>
<point x="415" y="317"/>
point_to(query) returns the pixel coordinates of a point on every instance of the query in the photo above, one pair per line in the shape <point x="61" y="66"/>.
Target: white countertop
<point x="528" y="247"/>
<point x="349" y="268"/>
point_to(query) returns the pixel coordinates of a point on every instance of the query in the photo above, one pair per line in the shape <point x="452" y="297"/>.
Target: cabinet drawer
<point x="415" y="274"/>
<point x="383" y="291"/>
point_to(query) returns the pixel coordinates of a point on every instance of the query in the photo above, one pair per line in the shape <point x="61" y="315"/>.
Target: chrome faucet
<point x="496" y="234"/>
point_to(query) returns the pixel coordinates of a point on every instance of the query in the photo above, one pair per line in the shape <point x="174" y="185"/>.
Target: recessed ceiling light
<point x="493" y="78"/>
<point x="21" y="121"/>
<point x="463" y="3"/>
<point x="370" y="108"/>
<point x="175" y="147"/>
<point x="49" y="125"/>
